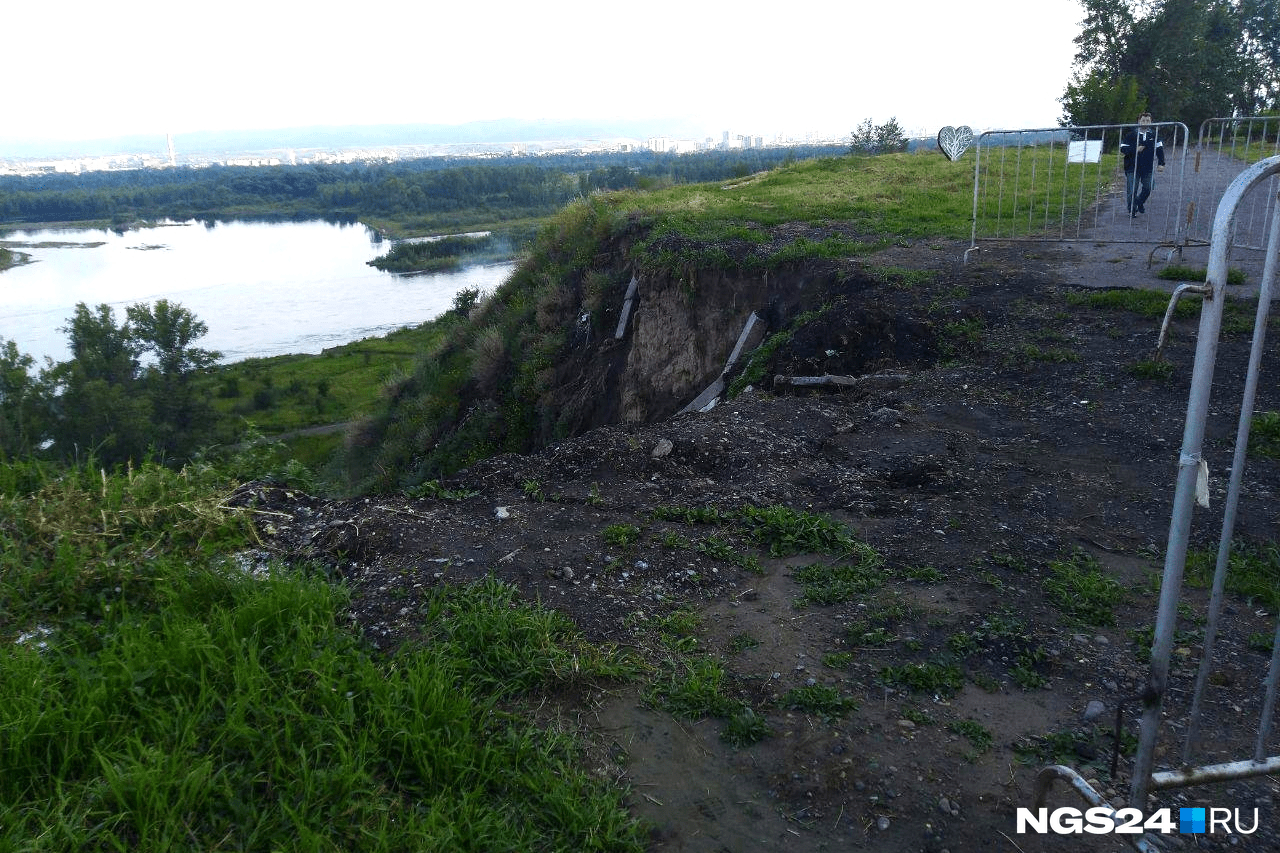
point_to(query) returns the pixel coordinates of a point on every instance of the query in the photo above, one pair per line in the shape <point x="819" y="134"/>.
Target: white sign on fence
<point x="1086" y="151"/>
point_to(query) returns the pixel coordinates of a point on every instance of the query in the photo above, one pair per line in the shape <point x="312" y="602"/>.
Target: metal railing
<point x="1066" y="184"/>
<point x="1225" y="147"/>
<point x="1191" y="471"/>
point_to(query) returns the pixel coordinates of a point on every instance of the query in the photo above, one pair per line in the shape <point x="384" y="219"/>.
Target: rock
<point x="882" y="823"/>
<point x="1093" y="711"/>
<point x="502" y="512"/>
<point x="662" y="449"/>
<point x="944" y="805"/>
<point x="906" y="725"/>
<point x="885" y="416"/>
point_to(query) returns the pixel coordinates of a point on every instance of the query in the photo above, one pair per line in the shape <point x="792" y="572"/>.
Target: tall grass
<point x="158" y="697"/>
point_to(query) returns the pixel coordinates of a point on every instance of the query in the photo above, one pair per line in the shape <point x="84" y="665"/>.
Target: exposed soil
<point x="1007" y="432"/>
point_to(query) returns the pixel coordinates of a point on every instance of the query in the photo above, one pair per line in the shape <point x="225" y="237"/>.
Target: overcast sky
<point x="88" y="70"/>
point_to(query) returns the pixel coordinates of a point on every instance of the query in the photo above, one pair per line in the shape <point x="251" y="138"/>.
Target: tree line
<point x="129" y="390"/>
<point x="1182" y="60"/>
<point x="523" y="185"/>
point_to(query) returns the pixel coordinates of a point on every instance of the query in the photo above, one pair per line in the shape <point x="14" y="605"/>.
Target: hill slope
<point x="898" y="599"/>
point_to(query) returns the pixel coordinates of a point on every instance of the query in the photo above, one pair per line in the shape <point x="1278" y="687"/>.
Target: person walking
<point x="1142" y="150"/>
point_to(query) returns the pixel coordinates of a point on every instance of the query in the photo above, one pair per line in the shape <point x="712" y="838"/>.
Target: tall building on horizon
<point x="173" y="159"/>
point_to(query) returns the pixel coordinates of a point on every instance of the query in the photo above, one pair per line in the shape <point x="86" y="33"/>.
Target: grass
<point x="1177" y="273"/>
<point x="291" y="392"/>
<point x="979" y="737"/>
<point x="785" y="531"/>
<point x="818" y="699"/>
<point x="621" y="535"/>
<point x="1085" y="593"/>
<point x="823" y="583"/>
<point x="166" y="698"/>
<point x="928" y="677"/>
<point x="1264" y="435"/>
<point x="1253" y="570"/>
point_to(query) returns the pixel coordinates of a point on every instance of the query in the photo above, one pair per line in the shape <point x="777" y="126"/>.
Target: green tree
<point x="1191" y="59"/>
<point x="863" y="139"/>
<point x="182" y="417"/>
<point x="106" y="402"/>
<point x="21" y="402"/>
<point x="101" y="349"/>
<point x="1095" y="98"/>
<point x="890" y="137"/>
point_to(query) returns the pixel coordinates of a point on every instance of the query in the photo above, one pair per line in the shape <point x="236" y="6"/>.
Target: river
<point x="262" y="288"/>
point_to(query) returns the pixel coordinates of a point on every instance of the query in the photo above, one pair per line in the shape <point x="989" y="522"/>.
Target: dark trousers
<point x="1137" y="189"/>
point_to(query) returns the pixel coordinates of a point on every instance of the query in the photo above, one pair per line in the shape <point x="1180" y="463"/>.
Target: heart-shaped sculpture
<point x="954" y="141"/>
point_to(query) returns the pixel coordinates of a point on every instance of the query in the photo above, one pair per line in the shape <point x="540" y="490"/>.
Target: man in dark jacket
<point x="1142" y="149"/>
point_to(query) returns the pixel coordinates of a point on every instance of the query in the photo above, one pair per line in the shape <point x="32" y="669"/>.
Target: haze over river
<point x="262" y="288"/>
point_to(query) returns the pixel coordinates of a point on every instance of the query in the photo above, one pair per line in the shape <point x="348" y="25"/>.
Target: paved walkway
<point x="1118" y="250"/>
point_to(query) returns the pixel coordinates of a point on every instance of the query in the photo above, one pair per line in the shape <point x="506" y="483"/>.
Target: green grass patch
<point x="719" y="549"/>
<point x="166" y="698"/>
<point x="745" y="727"/>
<point x="1264" y="435"/>
<point x="1085" y="593"/>
<point x="1146" y="303"/>
<point x="979" y="737"/>
<point x="937" y="678"/>
<point x="1253" y="571"/>
<point x="1196" y="275"/>
<point x="784" y="532"/>
<point x="823" y="583"/>
<point x="818" y="699"/>
<point x="621" y="535"/>
<point x="692" y="515"/>
<point x="694" y="689"/>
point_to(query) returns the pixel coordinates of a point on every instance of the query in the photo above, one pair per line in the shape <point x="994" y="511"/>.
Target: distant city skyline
<point x="135" y="68"/>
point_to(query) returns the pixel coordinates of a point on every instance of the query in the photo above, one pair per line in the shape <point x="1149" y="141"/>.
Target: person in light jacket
<point x="1142" y="150"/>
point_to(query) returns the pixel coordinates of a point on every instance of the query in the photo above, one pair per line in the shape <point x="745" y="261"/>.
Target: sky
<point x="90" y="70"/>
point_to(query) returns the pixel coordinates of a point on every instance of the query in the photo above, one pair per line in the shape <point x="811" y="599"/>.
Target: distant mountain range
<point x="356" y="136"/>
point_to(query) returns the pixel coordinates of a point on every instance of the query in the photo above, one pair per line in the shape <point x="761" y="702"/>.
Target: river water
<point x="262" y="288"/>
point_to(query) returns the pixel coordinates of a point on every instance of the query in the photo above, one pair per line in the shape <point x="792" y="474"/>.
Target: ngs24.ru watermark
<point x="1101" y="820"/>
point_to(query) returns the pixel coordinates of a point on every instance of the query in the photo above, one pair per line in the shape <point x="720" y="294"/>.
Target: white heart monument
<point x="954" y="141"/>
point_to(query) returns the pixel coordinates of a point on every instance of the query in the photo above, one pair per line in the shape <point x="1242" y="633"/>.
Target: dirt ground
<point x="1013" y="435"/>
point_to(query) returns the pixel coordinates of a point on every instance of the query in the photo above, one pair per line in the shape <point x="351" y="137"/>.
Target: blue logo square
<point x="1191" y="821"/>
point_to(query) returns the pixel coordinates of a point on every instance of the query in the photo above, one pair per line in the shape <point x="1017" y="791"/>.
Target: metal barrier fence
<point x="1227" y="145"/>
<point x="1191" y="466"/>
<point x="1064" y="184"/>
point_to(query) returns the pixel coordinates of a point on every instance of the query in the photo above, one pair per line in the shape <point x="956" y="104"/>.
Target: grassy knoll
<point x="161" y="694"/>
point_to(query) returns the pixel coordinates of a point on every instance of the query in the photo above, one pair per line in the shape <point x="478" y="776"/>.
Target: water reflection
<point x="262" y="287"/>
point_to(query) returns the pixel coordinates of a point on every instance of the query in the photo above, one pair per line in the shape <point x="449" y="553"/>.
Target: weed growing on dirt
<point x="1146" y="303"/>
<point x="1149" y="368"/>
<point x="745" y="727"/>
<point x="1264" y="435"/>
<point x="971" y="730"/>
<point x="937" y="678"/>
<point x="923" y="574"/>
<point x="692" y="515"/>
<point x="719" y="549"/>
<point x="742" y="642"/>
<point x="1253" y="570"/>
<point x="435" y="489"/>
<point x="694" y="689"/>
<point x="786" y="532"/>
<point x="1055" y="355"/>
<point x="1082" y="590"/>
<point x="1235" y="275"/>
<point x="1262" y="641"/>
<point x="818" y="699"/>
<point x="833" y="584"/>
<point x="621" y="535"/>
